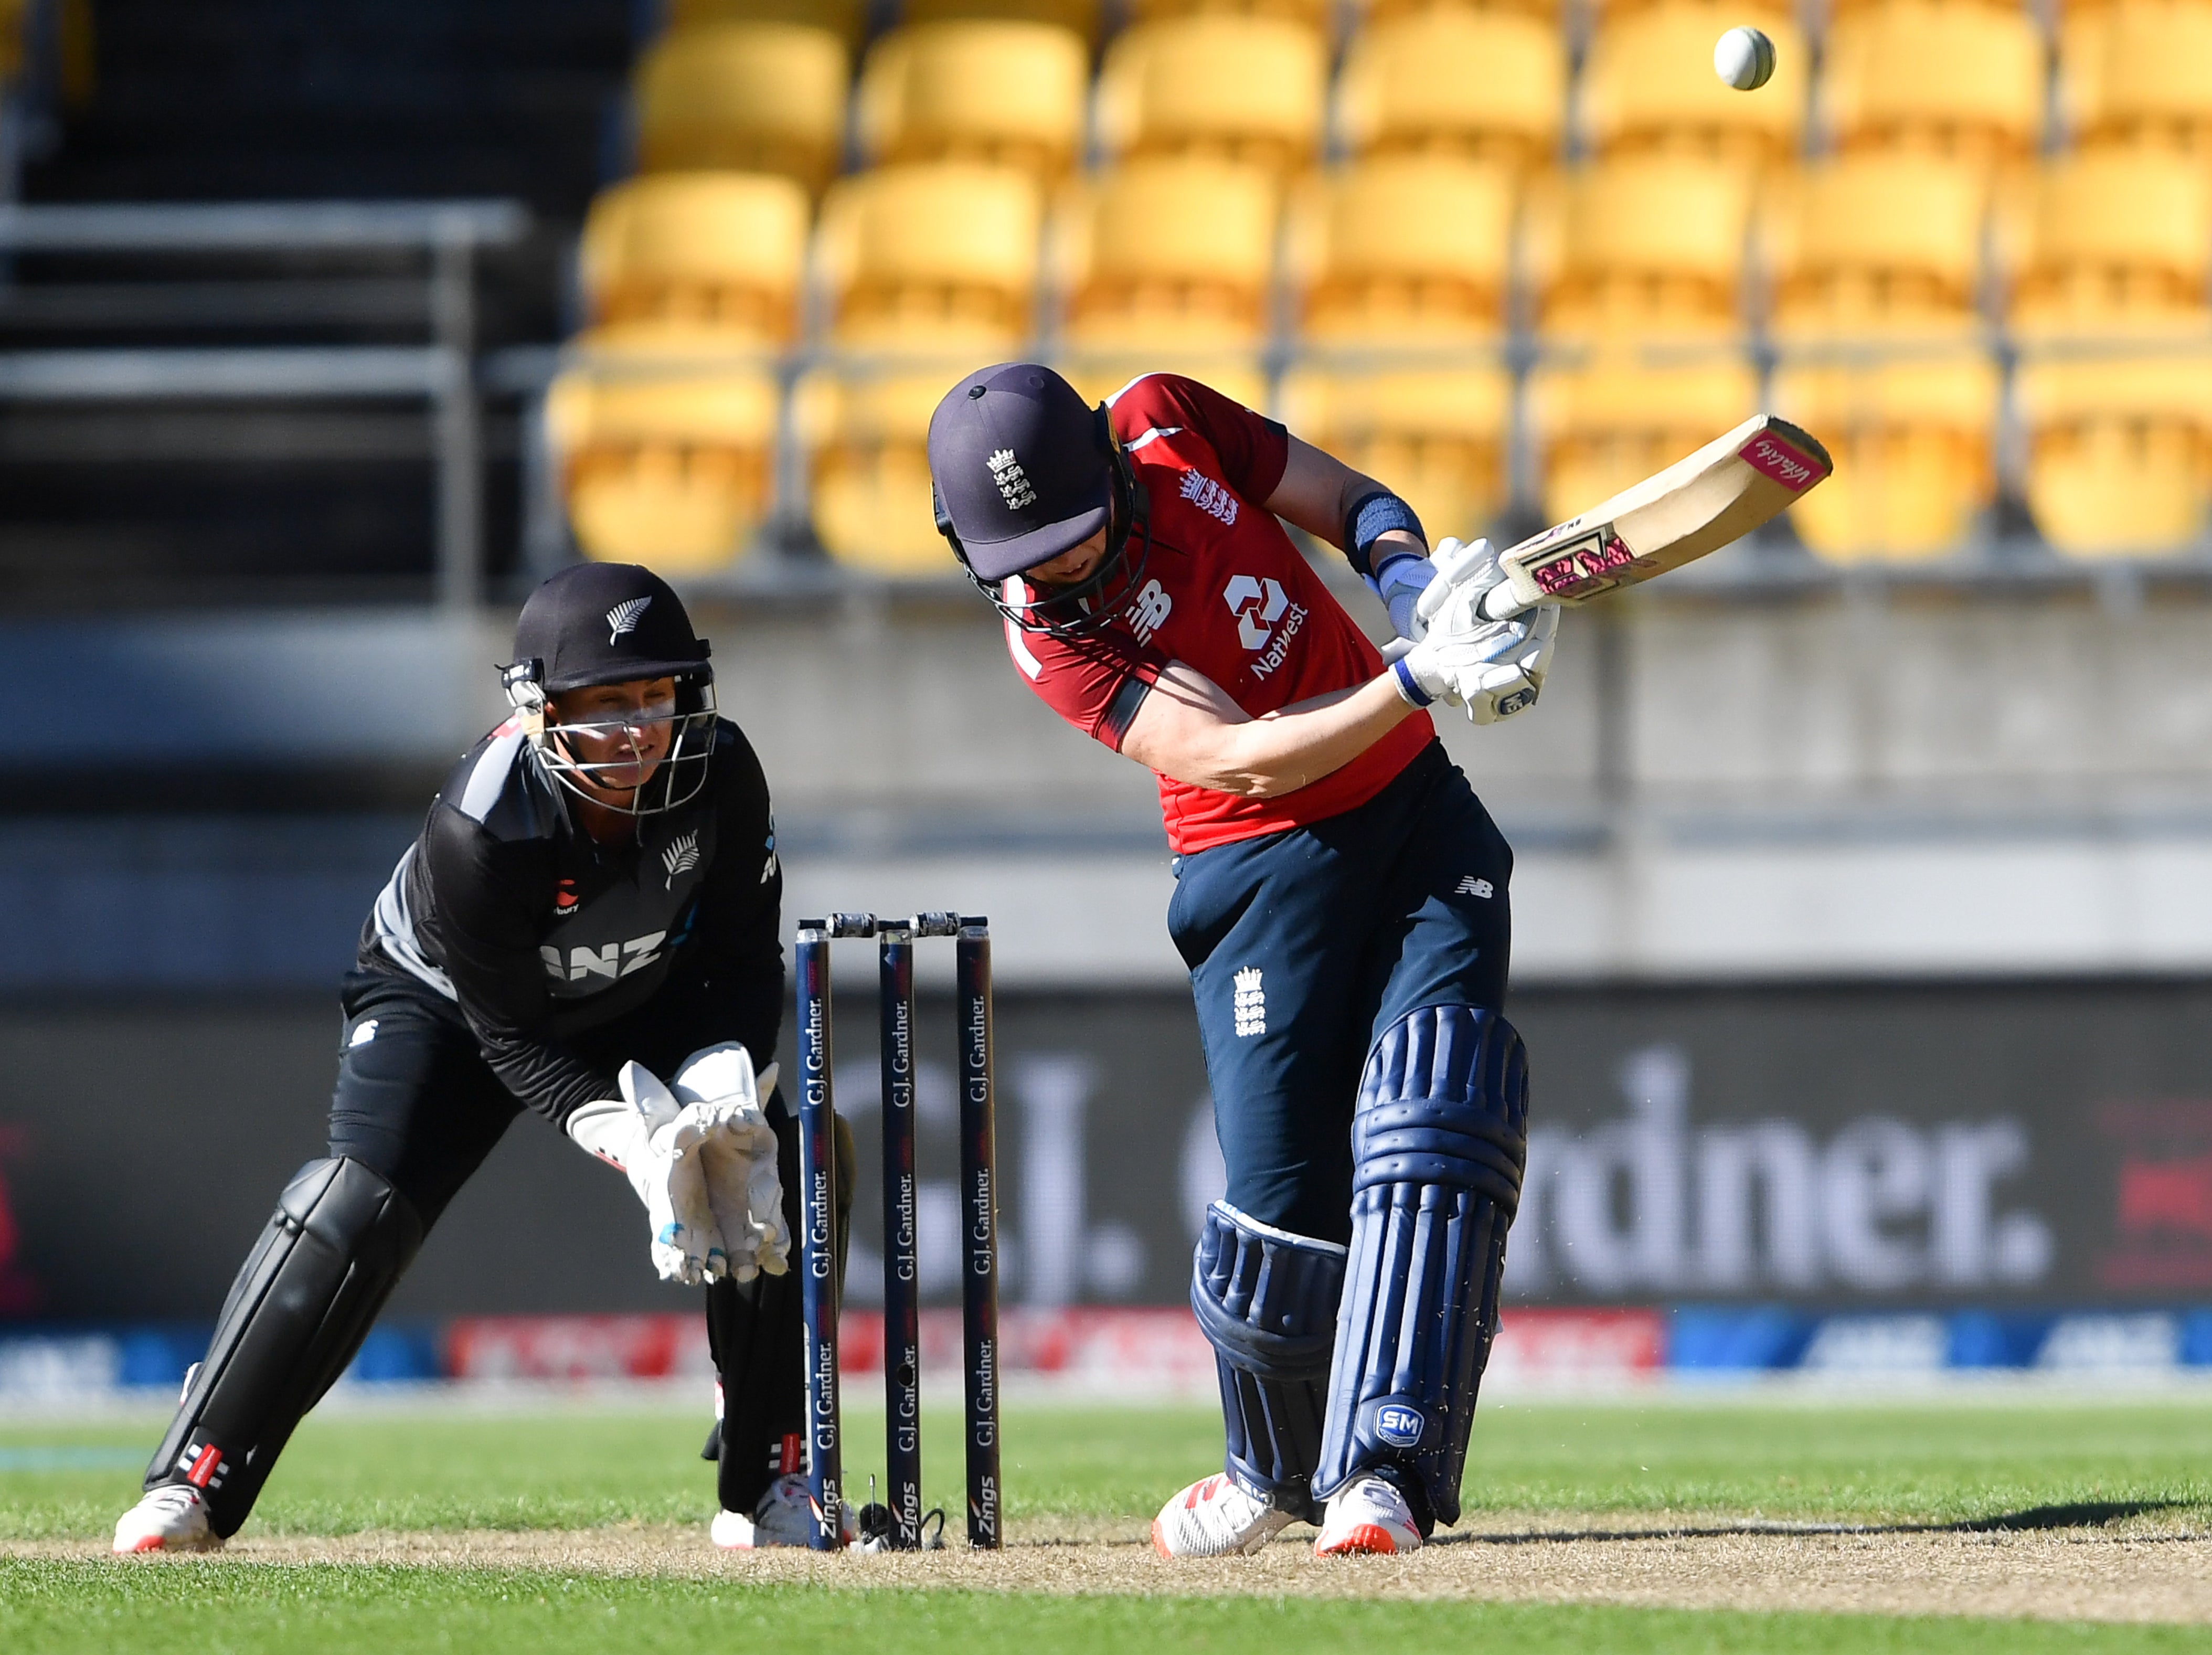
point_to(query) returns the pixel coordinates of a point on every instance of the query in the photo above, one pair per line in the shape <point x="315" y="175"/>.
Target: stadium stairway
<point x="172" y="500"/>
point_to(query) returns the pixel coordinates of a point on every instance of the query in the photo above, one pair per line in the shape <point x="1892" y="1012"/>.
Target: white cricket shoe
<point x="1214" y="1518"/>
<point x="170" y="1518"/>
<point x="785" y="1517"/>
<point x="1368" y="1515"/>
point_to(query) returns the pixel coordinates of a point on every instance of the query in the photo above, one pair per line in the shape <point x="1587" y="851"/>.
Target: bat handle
<point x="1498" y="604"/>
<point x="1395" y="649"/>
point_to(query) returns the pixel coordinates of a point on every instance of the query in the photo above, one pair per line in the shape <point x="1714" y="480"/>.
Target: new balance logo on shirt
<point x="1250" y="1005"/>
<point x="1471" y="886"/>
<point x="1150" y="610"/>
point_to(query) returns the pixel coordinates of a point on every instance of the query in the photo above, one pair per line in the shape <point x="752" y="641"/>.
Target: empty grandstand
<point x="714" y="236"/>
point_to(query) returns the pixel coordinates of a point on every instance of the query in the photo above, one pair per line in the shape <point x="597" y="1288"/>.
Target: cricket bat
<point x="1722" y="492"/>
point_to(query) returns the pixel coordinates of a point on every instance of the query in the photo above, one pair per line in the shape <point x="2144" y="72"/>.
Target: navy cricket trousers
<point x="1304" y="945"/>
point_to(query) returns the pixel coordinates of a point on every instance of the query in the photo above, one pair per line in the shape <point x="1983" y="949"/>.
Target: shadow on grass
<point x="2083" y="1514"/>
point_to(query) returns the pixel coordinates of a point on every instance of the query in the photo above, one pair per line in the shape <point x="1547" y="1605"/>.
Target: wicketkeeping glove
<point x="739" y="1154"/>
<point x="654" y="1140"/>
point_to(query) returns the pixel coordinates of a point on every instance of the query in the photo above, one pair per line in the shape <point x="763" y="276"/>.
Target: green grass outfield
<point x="2030" y="1464"/>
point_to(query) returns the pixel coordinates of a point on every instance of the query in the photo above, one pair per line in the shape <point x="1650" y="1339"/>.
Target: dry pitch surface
<point x="2066" y="1515"/>
<point x="2135" y="1569"/>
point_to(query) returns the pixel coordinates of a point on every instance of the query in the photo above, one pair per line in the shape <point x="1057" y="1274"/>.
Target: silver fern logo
<point x="624" y="617"/>
<point x="680" y="857"/>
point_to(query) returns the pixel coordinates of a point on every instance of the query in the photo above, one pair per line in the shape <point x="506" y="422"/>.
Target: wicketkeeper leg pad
<point x="1439" y="1139"/>
<point x="1266" y="1299"/>
<point x="757" y="1338"/>
<point x="302" y="1303"/>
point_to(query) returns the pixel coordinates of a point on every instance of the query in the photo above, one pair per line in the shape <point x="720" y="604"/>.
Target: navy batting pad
<point x="1267" y="1300"/>
<point x="1439" y="1139"/>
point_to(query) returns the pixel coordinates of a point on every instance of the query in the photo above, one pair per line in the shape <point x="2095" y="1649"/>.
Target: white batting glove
<point x="1493" y="669"/>
<point x="719" y="1088"/>
<point x="1511" y="682"/>
<point x="1458" y="565"/>
<point x="645" y="1136"/>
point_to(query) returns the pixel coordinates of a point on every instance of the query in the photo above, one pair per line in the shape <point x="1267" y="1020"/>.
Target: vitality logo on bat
<point x="1769" y="456"/>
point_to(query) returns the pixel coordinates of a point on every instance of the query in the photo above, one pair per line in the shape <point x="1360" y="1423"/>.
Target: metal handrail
<point x="444" y="372"/>
<point x="274" y="371"/>
<point x="262" y="227"/>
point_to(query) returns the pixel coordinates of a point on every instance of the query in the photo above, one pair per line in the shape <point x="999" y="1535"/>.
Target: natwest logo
<point x="1257" y="605"/>
<point x="1264" y="611"/>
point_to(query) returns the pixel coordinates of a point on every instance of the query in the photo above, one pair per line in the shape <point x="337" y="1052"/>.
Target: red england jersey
<point x="1226" y="594"/>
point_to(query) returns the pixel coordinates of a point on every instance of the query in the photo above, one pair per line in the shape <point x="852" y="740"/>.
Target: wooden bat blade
<point x="1697" y="505"/>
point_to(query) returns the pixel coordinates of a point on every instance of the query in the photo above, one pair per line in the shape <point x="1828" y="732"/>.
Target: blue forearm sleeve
<point x="1371" y="517"/>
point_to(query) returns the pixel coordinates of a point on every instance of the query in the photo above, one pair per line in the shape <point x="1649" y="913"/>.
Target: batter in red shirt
<point x="1341" y="901"/>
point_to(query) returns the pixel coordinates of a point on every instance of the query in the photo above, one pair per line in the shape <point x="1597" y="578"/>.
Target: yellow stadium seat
<point x="1765" y="14"/>
<point x="1372" y="12"/>
<point x="1438" y="436"/>
<point x="1098" y="375"/>
<point x="2120" y="452"/>
<point x="722" y="253"/>
<point x="755" y="97"/>
<point x="1648" y="244"/>
<point x="1315" y="15"/>
<point x="2121" y="242"/>
<point x="1950" y="77"/>
<point x="2149" y="77"/>
<point x="865" y="437"/>
<point x="1877" y="244"/>
<point x="1404" y="251"/>
<point x="846" y="19"/>
<point x="2082" y="28"/>
<point x="1836" y="9"/>
<point x="1081" y="16"/>
<point x="1613" y="421"/>
<point x="1649" y="84"/>
<point x="1168" y="254"/>
<point x="1242" y="88"/>
<point x="932" y="256"/>
<point x="668" y="470"/>
<point x="1913" y="440"/>
<point x="1013" y="93"/>
<point x="1407" y="83"/>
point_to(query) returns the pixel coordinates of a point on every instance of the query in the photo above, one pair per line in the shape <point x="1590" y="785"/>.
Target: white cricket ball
<point x="1744" y="58"/>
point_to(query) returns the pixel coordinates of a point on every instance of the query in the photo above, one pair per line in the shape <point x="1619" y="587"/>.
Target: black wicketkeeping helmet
<point x="613" y="624"/>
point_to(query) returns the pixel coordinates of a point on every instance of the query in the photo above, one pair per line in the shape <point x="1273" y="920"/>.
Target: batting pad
<point x="1439" y="1139"/>
<point x="1268" y="1301"/>
<point x="303" y="1301"/>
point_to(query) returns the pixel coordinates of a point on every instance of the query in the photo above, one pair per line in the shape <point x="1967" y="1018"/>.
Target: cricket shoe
<point x="170" y="1518"/>
<point x="784" y="1517"/>
<point x="1370" y="1516"/>
<point x="1214" y="1518"/>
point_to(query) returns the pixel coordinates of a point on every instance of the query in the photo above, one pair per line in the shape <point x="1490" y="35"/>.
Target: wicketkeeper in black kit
<point x="588" y="927"/>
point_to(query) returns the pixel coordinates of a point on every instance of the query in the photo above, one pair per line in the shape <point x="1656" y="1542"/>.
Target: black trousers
<point x="416" y="1103"/>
